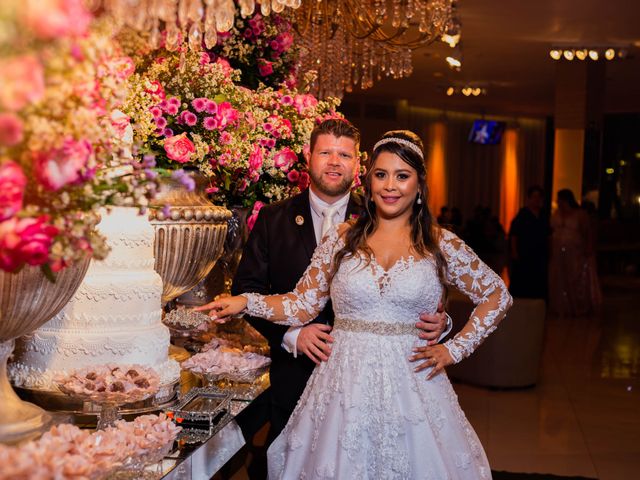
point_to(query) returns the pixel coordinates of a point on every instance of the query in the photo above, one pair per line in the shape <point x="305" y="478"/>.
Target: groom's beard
<point x="332" y="190"/>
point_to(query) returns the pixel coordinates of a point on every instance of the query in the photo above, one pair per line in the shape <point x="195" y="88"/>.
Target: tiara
<point x="401" y="141"/>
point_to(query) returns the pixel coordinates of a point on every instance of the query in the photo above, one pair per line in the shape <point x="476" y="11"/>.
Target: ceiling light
<point x="581" y="54"/>
<point x="609" y="54"/>
<point x="568" y="54"/>
<point x="454" y="63"/>
<point x="556" y="54"/>
<point x="593" y="55"/>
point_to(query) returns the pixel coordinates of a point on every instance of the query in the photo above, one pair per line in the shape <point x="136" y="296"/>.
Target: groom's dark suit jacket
<point x="276" y="255"/>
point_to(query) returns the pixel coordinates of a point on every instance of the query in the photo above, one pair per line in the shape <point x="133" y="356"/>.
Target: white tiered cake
<point x="114" y="317"/>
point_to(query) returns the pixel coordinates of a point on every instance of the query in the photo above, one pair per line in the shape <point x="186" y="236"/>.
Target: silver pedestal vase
<point x="28" y="300"/>
<point x="190" y="239"/>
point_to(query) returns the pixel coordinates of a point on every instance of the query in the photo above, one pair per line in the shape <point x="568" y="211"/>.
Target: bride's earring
<point x="419" y="200"/>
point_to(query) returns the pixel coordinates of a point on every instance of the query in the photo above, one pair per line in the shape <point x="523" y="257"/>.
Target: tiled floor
<point x="583" y="417"/>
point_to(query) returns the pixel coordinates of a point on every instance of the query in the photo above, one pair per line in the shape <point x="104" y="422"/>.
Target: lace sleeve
<point x="311" y="294"/>
<point x="482" y="285"/>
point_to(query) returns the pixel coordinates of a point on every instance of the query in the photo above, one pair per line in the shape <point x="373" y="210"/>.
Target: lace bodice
<point x="368" y="293"/>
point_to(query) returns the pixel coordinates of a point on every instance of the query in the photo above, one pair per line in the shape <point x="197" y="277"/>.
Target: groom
<point x="279" y="250"/>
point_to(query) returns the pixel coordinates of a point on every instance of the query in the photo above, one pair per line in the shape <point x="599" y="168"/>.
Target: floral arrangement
<point x="190" y="112"/>
<point x="63" y="142"/>
<point x="261" y="48"/>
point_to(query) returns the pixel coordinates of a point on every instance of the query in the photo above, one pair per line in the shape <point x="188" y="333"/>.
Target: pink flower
<point x="200" y="104"/>
<point x="226" y="67"/>
<point x="265" y="67"/>
<point x="161" y="122"/>
<point x="156" y="89"/>
<point x="212" y="107"/>
<point x="227" y="115"/>
<point x="171" y="109"/>
<point x="21" y="82"/>
<point x="25" y="240"/>
<point x="304" y="181"/>
<point x="190" y="118"/>
<point x="225" y="138"/>
<point x="284" y="159"/>
<point x="63" y="166"/>
<point x="12" y="184"/>
<point x="251" y="220"/>
<point x="122" y="67"/>
<point x="57" y="18"/>
<point x="293" y="176"/>
<point x="256" y="158"/>
<point x="11" y="129"/>
<point x="242" y="184"/>
<point x="167" y="132"/>
<point x="179" y="148"/>
<point x="156" y="112"/>
<point x="204" y="58"/>
<point x="303" y="102"/>
<point x="120" y="123"/>
<point x="210" y="123"/>
<point x="286" y="100"/>
<point x="212" y="190"/>
<point x="285" y="39"/>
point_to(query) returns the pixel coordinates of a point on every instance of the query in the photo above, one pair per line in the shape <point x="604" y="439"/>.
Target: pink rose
<point x="179" y="148"/>
<point x="227" y="115"/>
<point x="285" y="159"/>
<point x="265" y="67"/>
<point x="304" y="181"/>
<point x="21" y="82"/>
<point x="156" y="89"/>
<point x="226" y="67"/>
<point x="11" y="129"/>
<point x="225" y="138"/>
<point x="12" y="184"/>
<point x="57" y="18"/>
<point x="293" y="176"/>
<point x="63" y="166"/>
<point x="25" y="240"/>
<point x="255" y="158"/>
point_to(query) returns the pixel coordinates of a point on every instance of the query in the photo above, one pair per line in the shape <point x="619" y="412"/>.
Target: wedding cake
<point x="114" y="317"/>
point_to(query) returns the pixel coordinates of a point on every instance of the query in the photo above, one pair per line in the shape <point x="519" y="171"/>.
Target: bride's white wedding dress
<point x="365" y="413"/>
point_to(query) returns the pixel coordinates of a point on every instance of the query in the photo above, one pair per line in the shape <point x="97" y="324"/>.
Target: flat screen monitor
<point x="486" y="132"/>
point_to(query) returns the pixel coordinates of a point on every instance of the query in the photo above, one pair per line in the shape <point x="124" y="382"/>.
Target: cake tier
<point x="105" y="302"/>
<point x="130" y="237"/>
<point x="45" y="354"/>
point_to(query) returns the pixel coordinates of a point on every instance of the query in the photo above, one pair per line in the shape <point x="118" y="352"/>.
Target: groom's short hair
<point x="338" y="127"/>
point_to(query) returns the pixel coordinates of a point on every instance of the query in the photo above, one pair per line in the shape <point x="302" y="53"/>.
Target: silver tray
<point x="201" y="406"/>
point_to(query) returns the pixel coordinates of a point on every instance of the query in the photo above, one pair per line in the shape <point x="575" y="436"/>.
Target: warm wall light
<point x="610" y="54"/>
<point x="466" y="91"/>
<point x="593" y="55"/>
<point x="569" y="54"/>
<point x="556" y="54"/>
<point x="450" y="91"/>
<point x="584" y="52"/>
<point x="454" y="63"/>
<point x="476" y="91"/>
<point x="581" y="54"/>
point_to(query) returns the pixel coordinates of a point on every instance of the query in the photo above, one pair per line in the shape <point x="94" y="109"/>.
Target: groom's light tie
<point x="328" y="215"/>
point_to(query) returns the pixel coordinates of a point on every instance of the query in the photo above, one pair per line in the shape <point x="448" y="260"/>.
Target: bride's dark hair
<point x="424" y="231"/>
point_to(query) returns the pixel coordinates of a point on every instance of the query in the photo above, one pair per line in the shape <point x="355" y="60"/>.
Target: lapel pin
<point x="300" y="220"/>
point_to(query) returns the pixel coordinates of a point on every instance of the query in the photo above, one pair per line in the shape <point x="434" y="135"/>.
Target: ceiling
<point x="505" y="47"/>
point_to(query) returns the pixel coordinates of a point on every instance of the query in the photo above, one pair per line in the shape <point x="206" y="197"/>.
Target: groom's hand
<point x="314" y="341"/>
<point x="432" y="325"/>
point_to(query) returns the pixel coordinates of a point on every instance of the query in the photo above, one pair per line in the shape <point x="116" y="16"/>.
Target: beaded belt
<point x="379" y="328"/>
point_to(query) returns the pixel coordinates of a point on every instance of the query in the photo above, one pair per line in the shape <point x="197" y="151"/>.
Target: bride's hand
<point x="221" y="309"/>
<point x="436" y="356"/>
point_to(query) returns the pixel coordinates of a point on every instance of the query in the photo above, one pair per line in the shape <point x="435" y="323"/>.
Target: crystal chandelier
<point x="354" y="42"/>
<point x="196" y="20"/>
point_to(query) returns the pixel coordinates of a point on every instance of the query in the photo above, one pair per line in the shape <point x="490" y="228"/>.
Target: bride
<point x="366" y="413"/>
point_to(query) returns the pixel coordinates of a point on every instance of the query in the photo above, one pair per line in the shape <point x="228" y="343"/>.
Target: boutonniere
<point x="354" y="217"/>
